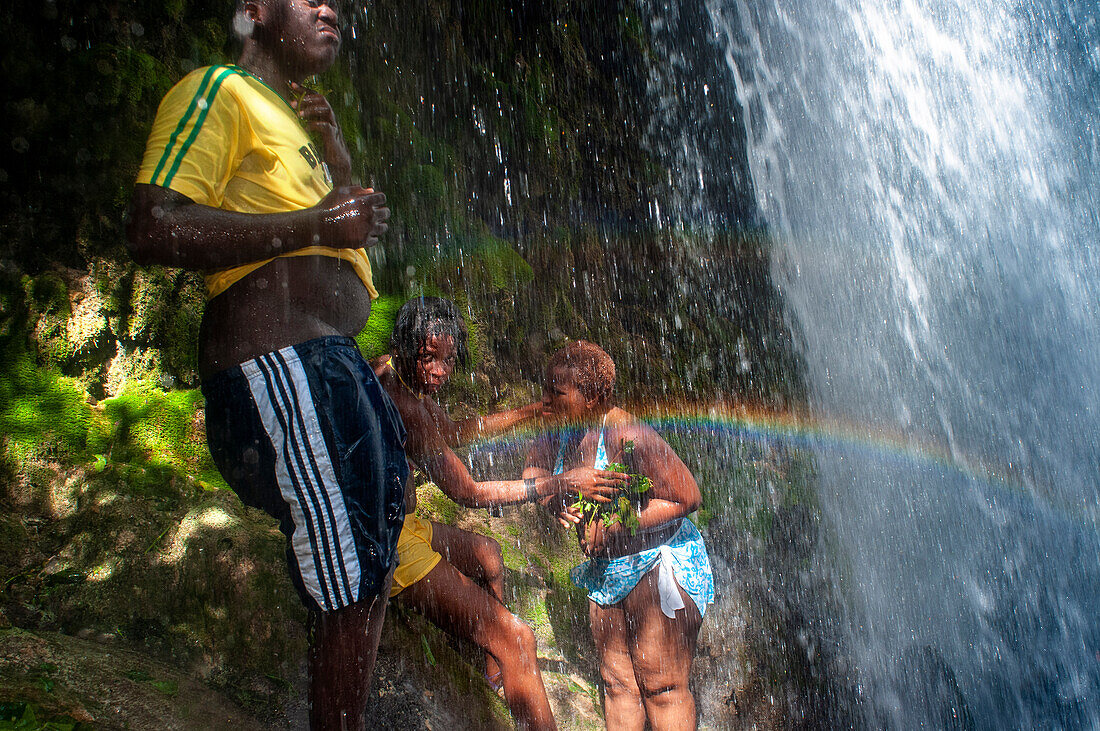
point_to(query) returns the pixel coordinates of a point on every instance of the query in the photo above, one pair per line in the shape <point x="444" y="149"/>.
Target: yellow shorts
<point x="415" y="555"/>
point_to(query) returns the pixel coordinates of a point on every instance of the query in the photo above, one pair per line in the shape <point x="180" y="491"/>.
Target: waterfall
<point x="929" y="171"/>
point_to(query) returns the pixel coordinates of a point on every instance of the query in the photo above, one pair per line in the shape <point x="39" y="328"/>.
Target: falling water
<point x="928" y="168"/>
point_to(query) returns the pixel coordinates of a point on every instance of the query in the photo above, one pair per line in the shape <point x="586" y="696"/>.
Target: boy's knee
<point x="514" y="636"/>
<point x="491" y="557"/>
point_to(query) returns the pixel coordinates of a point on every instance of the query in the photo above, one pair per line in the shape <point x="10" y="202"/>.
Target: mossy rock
<point x="99" y="685"/>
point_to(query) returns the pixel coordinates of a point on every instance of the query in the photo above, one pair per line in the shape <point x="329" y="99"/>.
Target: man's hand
<point x="351" y="218"/>
<point x="317" y="116"/>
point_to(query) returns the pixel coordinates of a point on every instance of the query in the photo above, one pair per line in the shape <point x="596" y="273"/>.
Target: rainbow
<point x="761" y="425"/>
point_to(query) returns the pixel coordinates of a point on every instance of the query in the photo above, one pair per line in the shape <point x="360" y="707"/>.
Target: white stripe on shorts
<point x="322" y="540"/>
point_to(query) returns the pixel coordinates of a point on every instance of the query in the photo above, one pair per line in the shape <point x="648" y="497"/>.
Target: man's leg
<point x="662" y="650"/>
<point x="342" y="651"/>
<point x="341" y="662"/>
<point x="453" y="602"/>
<point x="479" y="558"/>
<point x="622" y="700"/>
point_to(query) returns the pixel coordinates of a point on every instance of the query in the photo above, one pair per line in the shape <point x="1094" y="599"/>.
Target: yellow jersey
<point x="225" y="139"/>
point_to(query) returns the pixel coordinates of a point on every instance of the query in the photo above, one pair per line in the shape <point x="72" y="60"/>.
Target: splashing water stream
<point x="929" y="170"/>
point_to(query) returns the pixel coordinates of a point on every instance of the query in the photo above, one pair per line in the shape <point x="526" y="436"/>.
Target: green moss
<point x="156" y="427"/>
<point x="49" y="293"/>
<point x="42" y="413"/>
<point x="22" y="715"/>
<point x="434" y="505"/>
<point x="374" y="340"/>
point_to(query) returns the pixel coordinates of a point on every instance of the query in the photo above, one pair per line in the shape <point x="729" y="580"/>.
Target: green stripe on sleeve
<point x="209" y="99"/>
<point x="182" y="123"/>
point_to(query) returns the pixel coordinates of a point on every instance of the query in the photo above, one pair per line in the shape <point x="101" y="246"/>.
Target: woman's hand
<point x="589" y="482"/>
<point x="598" y="538"/>
<point x="569" y="517"/>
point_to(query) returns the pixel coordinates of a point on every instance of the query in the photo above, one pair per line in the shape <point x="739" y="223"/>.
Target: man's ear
<point x="247" y="18"/>
<point x="255" y="11"/>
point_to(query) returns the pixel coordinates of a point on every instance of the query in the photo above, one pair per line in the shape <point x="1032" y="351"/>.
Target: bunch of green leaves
<point x="623" y="509"/>
<point x="313" y="84"/>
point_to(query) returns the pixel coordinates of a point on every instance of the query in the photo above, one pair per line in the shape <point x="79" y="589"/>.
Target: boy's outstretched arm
<point x="478" y="427"/>
<point x="427" y="447"/>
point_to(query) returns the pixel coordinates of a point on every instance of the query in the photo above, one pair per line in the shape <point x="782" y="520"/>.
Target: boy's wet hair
<point x="421" y="317"/>
<point x="592" y="368"/>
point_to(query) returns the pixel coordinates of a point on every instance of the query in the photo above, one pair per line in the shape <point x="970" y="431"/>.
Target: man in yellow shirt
<point x="232" y="185"/>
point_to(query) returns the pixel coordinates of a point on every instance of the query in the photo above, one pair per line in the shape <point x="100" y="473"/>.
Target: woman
<point x="648" y="583"/>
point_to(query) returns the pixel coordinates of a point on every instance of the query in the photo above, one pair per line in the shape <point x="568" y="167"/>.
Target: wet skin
<point x="432" y="434"/>
<point x="291" y="300"/>
<point x="645" y="657"/>
<point x="286" y="301"/>
<point x="674" y="493"/>
<point x="464" y="593"/>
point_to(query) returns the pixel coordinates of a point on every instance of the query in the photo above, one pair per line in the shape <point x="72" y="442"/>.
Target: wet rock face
<point x="184" y="574"/>
<point x="68" y="680"/>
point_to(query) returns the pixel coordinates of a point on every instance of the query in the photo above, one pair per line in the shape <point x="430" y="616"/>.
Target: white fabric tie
<point x="666" y="584"/>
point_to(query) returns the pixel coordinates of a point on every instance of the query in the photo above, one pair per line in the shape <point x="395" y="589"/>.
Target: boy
<point x="452" y="576"/>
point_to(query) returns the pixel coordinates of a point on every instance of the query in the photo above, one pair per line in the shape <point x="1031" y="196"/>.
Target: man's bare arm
<point x="168" y="228"/>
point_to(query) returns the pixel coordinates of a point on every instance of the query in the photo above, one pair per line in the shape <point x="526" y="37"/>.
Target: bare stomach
<point x="284" y="302"/>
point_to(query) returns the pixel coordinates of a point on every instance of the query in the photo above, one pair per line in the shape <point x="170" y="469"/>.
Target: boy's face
<point x="435" y="362"/>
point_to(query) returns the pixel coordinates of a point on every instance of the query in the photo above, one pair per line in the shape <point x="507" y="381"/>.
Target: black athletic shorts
<point x="308" y="435"/>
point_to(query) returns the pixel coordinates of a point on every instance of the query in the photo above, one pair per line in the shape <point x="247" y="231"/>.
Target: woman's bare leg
<point x="341" y="662"/>
<point x="479" y="558"/>
<point x="662" y="650"/>
<point x="622" y="700"/>
<point x="453" y="602"/>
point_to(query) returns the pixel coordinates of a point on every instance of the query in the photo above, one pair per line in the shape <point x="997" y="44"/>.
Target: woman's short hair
<point x="422" y="317"/>
<point x="592" y="368"/>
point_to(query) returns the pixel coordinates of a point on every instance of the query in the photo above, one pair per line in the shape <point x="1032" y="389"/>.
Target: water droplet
<point x="242" y="25"/>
